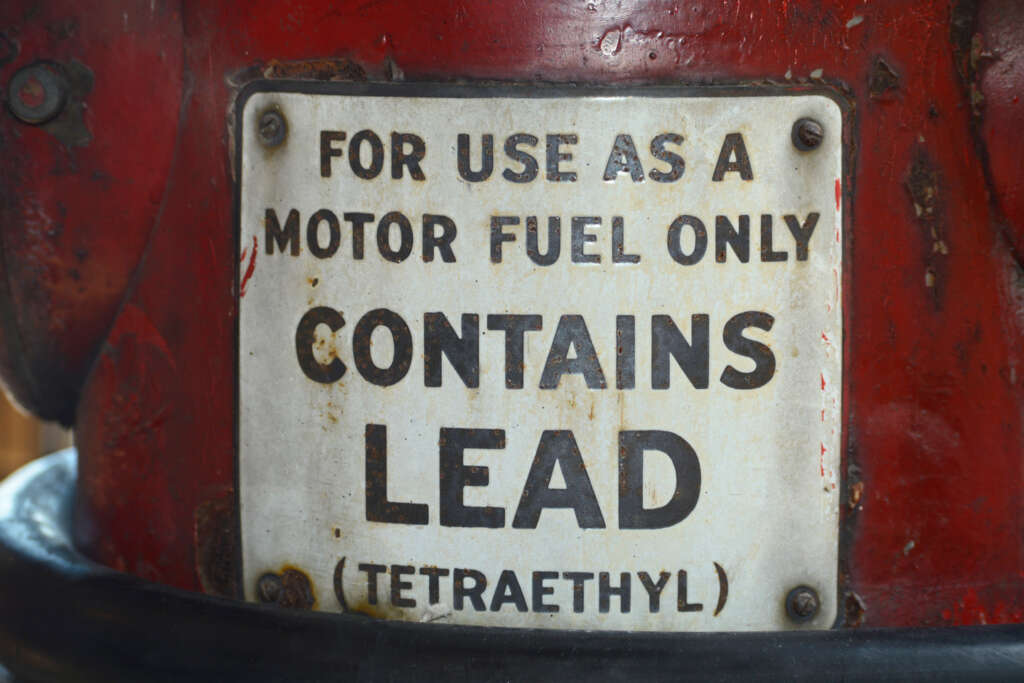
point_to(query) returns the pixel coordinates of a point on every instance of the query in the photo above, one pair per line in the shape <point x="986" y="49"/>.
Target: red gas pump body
<point x="120" y="268"/>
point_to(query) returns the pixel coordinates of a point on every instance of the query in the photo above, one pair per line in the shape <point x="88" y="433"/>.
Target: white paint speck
<point x="855" y="21"/>
<point x="817" y="73"/>
<point x="908" y="547"/>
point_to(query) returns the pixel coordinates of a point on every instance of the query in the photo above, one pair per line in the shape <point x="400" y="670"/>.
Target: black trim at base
<point x="64" y="618"/>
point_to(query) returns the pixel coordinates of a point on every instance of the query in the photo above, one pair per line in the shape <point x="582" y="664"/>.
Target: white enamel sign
<point x="541" y="359"/>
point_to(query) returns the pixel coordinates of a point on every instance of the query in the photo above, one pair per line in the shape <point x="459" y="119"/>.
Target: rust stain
<point x="854" y="610"/>
<point x="856" y="494"/>
<point x="328" y="69"/>
<point x="883" y="79"/>
<point x="922" y="184"/>
<point x="216" y="547"/>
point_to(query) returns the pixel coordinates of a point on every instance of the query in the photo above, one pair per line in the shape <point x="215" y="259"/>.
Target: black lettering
<point x="358" y="221"/>
<point x="355" y="159"/>
<point x="486" y="158"/>
<point x="540" y="589"/>
<point x="327" y="150"/>
<point x="619" y="243"/>
<point x="433" y="583"/>
<point x="623" y="159"/>
<point x="313" y="233"/>
<point x="739" y="240"/>
<point x="508" y="591"/>
<point x="555" y="157"/>
<point x="378" y="507"/>
<point x="676" y="163"/>
<point x="410" y="159"/>
<point x="572" y="331"/>
<point x="442" y="242"/>
<point x="305" y="340"/>
<point x="768" y="255"/>
<point x="397" y="585"/>
<point x="463" y="354"/>
<point x="578" y="580"/>
<point x="654" y="589"/>
<point x="558" y="447"/>
<point x="515" y="328"/>
<point x="764" y="359"/>
<point x="287" y="238"/>
<point x="632" y="446"/>
<point x="512" y="151"/>
<point x="554" y="240"/>
<point x="681" y="604"/>
<point x="733" y="146"/>
<point x="625" y="348"/>
<point x="455" y="476"/>
<point x="474" y="592"/>
<point x="700" y="240"/>
<point x="400" y="337"/>
<point x="605" y="590"/>
<point x="580" y="237"/>
<point x="498" y="235"/>
<point x="384" y="237"/>
<point x="802" y="233"/>
<point x="693" y="359"/>
<point x="372" y="570"/>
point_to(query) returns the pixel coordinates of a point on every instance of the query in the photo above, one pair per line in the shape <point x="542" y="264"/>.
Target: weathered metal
<point x="536" y="347"/>
<point x="807" y="134"/>
<point x="120" y="288"/>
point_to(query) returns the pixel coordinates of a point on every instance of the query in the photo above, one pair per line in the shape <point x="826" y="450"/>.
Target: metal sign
<point x="544" y="358"/>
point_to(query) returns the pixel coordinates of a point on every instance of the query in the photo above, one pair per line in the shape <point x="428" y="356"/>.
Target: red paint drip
<point x="824" y="338"/>
<point x="250" y="268"/>
<point x="822" y="381"/>
<point x="839" y="194"/>
<point x="821" y="460"/>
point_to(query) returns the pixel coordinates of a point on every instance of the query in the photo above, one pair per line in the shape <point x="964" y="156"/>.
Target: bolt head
<point x="271" y="128"/>
<point x="268" y="588"/>
<point x="37" y="93"/>
<point x="802" y="604"/>
<point x="807" y="134"/>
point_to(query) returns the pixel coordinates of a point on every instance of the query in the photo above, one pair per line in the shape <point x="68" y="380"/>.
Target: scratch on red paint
<point x="251" y="267"/>
<point x="839" y="194"/>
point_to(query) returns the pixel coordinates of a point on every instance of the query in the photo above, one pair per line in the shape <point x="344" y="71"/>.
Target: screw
<point x="272" y="128"/>
<point x="802" y="603"/>
<point x="268" y="588"/>
<point x="37" y="93"/>
<point x="807" y="134"/>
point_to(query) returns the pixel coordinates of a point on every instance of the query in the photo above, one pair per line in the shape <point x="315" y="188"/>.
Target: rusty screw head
<point x="802" y="603"/>
<point x="272" y="128"/>
<point x="807" y="134"/>
<point x="268" y="588"/>
<point x="37" y="93"/>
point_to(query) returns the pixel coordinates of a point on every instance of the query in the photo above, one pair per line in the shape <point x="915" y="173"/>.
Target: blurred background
<point x="23" y="437"/>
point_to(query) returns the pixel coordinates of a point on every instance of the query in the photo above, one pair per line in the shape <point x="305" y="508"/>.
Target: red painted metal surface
<point x="119" y="260"/>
